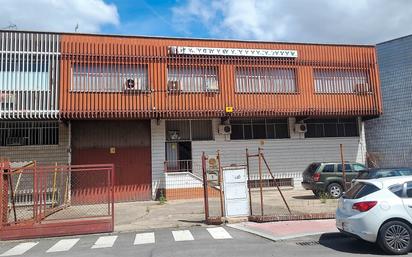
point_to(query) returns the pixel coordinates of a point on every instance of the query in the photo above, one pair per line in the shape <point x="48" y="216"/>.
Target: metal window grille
<point x="332" y="128"/>
<point x="341" y="81"/>
<point x="29" y="71"/>
<point x="192" y="79"/>
<point x="108" y="77"/>
<point x="29" y="133"/>
<point x="189" y="130"/>
<point x="265" y="80"/>
<point x="259" y="129"/>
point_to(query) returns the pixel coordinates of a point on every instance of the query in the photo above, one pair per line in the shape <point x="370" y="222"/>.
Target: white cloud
<point x="333" y="21"/>
<point x="58" y="15"/>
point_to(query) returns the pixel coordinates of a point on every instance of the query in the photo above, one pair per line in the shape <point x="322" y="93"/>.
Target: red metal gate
<point x="40" y="201"/>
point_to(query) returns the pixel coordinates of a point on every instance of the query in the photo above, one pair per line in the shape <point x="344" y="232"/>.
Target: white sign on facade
<point x="236" y="194"/>
<point x="233" y="52"/>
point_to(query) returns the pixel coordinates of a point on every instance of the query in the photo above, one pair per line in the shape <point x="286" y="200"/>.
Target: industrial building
<point x="152" y="105"/>
<point x="389" y="144"/>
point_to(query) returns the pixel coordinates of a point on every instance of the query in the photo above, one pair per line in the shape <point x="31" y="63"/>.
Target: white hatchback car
<point x="379" y="210"/>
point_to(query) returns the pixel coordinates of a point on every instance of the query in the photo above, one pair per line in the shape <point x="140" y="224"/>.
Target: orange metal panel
<point x="157" y="102"/>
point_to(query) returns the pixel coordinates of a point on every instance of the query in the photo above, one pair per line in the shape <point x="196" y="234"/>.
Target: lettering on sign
<point x="233" y="52"/>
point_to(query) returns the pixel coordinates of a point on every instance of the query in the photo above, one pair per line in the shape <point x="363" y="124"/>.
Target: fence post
<point x="260" y="180"/>
<point x="343" y="168"/>
<point x="4" y="194"/>
<point x="205" y="189"/>
<point x="248" y="182"/>
<point x="219" y="177"/>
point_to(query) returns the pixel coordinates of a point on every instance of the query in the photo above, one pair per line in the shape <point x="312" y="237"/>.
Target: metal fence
<point x="55" y="200"/>
<point x="276" y="202"/>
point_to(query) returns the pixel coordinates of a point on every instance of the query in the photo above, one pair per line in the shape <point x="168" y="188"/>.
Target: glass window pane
<point x="237" y="132"/>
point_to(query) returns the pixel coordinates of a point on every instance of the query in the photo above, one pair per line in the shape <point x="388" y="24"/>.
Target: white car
<point x="379" y="211"/>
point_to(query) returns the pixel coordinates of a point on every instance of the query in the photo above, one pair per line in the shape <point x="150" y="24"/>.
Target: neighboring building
<point x="152" y="105"/>
<point x="388" y="137"/>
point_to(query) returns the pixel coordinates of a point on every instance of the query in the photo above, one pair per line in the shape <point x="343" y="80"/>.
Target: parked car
<point x="383" y="173"/>
<point x="379" y="211"/>
<point x="321" y="177"/>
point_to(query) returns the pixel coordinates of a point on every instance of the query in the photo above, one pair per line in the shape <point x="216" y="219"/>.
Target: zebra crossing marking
<point x="182" y="235"/>
<point x="63" y="245"/>
<point x="20" y="249"/>
<point x="219" y="233"/>
<point x="104" y="242"/>
<point x="144" y="238"/>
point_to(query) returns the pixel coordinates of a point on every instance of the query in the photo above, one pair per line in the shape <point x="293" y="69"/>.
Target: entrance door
<point x="179" y="156"/>
<point x="126" y="144"/>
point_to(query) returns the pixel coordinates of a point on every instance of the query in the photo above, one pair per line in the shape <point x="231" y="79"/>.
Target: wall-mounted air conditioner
<point x="225" y="129"/>
<point x="7" y="101"/>
<point x="301" y="128"/>
<point x="174" y="86"/>
<point x="133" y="84"/>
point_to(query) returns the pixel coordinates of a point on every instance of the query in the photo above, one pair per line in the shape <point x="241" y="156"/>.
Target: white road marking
<point x="144" y="238"/>
<point x="104" y="242"/>
<point x="20" y="249"/>
<point x="182" y="235"/>
<point x="219" y="233"/>
<point x="63" y="245"/>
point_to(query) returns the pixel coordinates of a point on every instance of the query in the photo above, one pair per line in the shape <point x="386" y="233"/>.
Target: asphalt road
<point x="197" y="241"/>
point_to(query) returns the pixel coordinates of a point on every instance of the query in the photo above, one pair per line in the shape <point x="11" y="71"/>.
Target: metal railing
<point x="178" y="166"/>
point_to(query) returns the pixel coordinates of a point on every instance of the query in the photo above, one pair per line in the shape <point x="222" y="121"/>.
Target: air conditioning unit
<point x="361" y="88"/>
<point x="174" y="86"/>
<point x="301" y="128"/>
<point x="133" y="84"/>
<point x="212" y="85"/>
<point x="7" y="101"/>
<point x="225" y="129"/>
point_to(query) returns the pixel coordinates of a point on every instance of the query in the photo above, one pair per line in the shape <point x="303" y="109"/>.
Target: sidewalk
<point x="287" y="229"/>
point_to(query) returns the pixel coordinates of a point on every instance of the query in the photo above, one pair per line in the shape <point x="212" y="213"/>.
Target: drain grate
<point x="308" y="243"/>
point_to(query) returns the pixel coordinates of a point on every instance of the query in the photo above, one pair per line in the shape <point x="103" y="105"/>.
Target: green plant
<point x="162" y="199"/>
<point x="323" y="197"/>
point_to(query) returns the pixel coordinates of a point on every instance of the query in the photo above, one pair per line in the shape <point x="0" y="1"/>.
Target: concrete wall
<point x="388" y="137"/>
<point x="291" y="155"/>
<point x="286" y="157"/>
<point x="43" y="154"/>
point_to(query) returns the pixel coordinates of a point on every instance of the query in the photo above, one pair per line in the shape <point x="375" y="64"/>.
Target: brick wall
<point x="388" y="138"/>
<point x="43" y="154"/>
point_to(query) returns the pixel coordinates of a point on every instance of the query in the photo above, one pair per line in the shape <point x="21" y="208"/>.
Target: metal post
<point x="219" y="177"/>
<point x="260" y="181"/>
<point x="205" y="190"/>
<point x="276" y="184"/>
<point x="343" y="167"/>
<point x="248" y="180"/>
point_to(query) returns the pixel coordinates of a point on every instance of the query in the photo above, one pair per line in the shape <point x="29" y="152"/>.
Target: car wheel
<point x="395" y="237"/>
<point x="335" y="190"/>
<point x="316" y="193"/>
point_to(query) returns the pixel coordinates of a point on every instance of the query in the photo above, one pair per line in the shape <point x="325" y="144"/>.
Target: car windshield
<point x="383" y="173"/>
<point x="360" y="190"/>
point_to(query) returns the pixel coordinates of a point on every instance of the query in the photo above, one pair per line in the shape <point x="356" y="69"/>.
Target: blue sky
<point x="149" y="17"/>
<point x="316" y="21"/>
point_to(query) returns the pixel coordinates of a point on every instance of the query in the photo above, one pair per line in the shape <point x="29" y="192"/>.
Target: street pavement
<point x="196" y="241"/>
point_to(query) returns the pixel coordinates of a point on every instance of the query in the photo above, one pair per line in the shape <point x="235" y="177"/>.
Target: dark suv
<point x="321" y="177"/>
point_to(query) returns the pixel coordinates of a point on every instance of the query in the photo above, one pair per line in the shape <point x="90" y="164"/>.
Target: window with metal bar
<point x="341" y="81"/>
<point x="259" y="129"/>
<point x="109" y="78"/>
<point x="26" y="73"/>
<point x="189" y="130"/>
<point x="192" y="79"/>
<point x="29" y="133"/>
<point x="265" y="80"/>
<point x="332" y="128"/>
